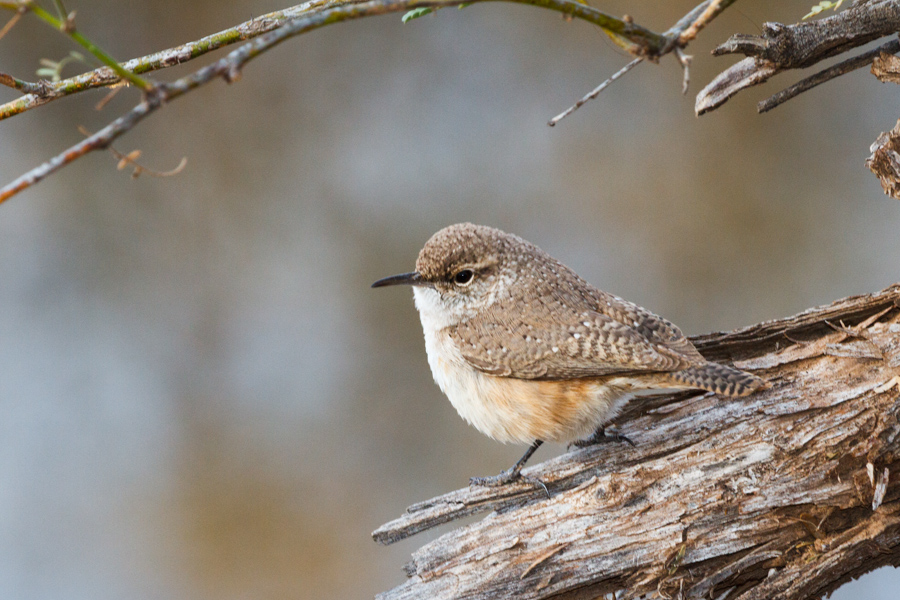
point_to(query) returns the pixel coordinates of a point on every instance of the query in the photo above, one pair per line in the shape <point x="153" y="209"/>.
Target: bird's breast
<point x="520" y="410"/>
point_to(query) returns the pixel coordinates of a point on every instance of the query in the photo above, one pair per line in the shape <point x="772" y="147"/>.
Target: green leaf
<point x="822" y="6"/>
<point x="416" y="13"/>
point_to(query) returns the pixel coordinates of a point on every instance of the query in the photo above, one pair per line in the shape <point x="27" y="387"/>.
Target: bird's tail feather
<point x="720" y="379"/>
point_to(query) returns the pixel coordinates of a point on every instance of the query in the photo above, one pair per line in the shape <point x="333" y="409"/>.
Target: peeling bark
<point x="886" y="67"/>
<point x="768" y="496"/>
<point x="885" y="161"/>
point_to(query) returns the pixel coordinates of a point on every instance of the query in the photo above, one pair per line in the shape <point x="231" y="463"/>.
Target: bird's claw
<point x="508" y="476"/>
<point x="601" y="437"/>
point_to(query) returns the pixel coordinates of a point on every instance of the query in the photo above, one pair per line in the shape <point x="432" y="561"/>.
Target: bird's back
<point x="552" y="324"/>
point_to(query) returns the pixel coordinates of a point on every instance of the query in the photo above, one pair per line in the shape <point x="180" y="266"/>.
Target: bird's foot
<point x="508" y="476"/>
<point x="601" y="437"/>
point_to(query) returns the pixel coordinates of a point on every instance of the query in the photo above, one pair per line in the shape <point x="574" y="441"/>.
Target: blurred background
<point x="200" y="396"/>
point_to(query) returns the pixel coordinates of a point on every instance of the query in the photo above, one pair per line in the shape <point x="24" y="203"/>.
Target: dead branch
<point x="785" y="494"/>
<point x="783" y="47"/>
<point x="596" y="91"/>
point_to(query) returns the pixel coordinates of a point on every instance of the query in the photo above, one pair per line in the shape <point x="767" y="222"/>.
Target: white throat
<point x="435" y="315"/>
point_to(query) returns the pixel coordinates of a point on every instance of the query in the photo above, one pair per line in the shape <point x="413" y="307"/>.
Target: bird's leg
<point x="601" y="437"/>
<point x="513" y="473"/>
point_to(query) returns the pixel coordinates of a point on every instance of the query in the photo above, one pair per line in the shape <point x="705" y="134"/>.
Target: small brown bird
<point x="528" y="351"/>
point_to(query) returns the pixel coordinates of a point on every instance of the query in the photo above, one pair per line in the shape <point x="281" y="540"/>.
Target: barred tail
<point x="720" y="379"/>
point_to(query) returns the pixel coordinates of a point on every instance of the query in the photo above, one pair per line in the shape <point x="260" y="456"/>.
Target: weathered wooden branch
<point x="783" y="47"/>
<point x="784" y="494"/>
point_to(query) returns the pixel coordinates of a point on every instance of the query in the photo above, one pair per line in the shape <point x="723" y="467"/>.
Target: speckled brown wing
<point x="567" y="340"/>
<point x="655" y="329"/>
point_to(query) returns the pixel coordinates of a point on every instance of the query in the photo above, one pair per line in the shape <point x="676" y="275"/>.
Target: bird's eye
<point x="464" y="277"/>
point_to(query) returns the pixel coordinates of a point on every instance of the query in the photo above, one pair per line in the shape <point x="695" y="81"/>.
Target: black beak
<point x="403" y="279"/>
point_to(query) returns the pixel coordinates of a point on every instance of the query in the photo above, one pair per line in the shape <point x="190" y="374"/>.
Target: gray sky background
<point x="200" y="395"/>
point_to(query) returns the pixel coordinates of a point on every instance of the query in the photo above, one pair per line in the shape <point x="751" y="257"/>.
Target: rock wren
<point x="528" y="351"/>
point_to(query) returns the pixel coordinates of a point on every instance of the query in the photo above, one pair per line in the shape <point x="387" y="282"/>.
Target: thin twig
<point x="99" y="140"/>
<point x="113" y="90"/>
<point x="685" y="61"/>
<point x="698" y="13"/>
<point x="131" y="159"/>
<point x="68" y="27"/>
<point x="104" y="76"/>
<point x="851" y="64"/>
<point x="596" y="91"/>
<point x="11" y="23"/>
<point x="712" y="9"/>
<point x="23" y="86"/>
<point x="60" y="9"/>
<point x="641" y="38"/>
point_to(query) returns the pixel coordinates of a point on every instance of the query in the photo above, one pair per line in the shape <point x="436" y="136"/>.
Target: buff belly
<point x="520" y="410"/>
